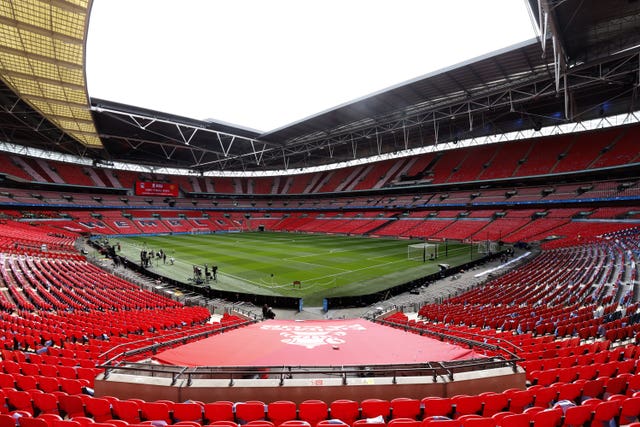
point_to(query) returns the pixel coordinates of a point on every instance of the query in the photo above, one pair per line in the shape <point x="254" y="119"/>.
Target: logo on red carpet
<point x="311" y="336"/>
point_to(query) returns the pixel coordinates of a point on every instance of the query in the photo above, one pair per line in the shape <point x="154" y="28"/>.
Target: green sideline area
<point x="270" y="263"/>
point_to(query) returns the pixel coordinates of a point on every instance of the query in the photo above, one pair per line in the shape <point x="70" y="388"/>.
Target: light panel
<point x="42" y="46"/>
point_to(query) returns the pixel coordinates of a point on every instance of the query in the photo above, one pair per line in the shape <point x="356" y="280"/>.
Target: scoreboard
<point x="151" y="188"/>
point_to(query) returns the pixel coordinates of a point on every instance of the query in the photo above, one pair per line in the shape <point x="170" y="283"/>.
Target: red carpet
<point x="313" y="343"/>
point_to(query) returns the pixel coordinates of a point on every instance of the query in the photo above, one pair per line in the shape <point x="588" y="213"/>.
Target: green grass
<point x="268" y="263"/>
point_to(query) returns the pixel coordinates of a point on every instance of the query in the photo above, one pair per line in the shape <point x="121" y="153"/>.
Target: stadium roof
<point x="585" y="65"/>
<point x="42" y="61"/>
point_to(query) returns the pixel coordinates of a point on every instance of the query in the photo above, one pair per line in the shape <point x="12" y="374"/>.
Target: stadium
<point x="461" y="248"/>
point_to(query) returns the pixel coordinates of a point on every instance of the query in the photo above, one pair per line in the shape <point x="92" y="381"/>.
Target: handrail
<point x="155" y="346"/>
<point x="283" y="373"/>
<point x="439" y="334"/>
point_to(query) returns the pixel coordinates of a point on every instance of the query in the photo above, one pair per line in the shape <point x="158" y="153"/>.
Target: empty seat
<point x="630" y="410"/>
<point x="98" y="409"/>
<point x="71" y="406"/>
<point x="437" y="406"/>
<point x="345" y="410"/>
<point x="187" y="411"/>
<point x="19" y="401"/>
<point x="577" y="416"/>
<point x="605" y="412"/>
<point x="404" y="422"/>
<point x="478" y="422"/>
<point x="126" y="410"/>
<point x="548" y="418"/>
<point x="45" y="403"/>
<point x="281" y="411"/>
<point x="403" y="407"/>
<point x="155" y="411"/>
<point x="466" y="405"/>
<point x="250" y="410"/>
<point x="372" y="408"/>
<point x="313" y="411"/>
<point x="32" y="422"/>
<point x="221" y="410"/>
<point x="492" y="403"/>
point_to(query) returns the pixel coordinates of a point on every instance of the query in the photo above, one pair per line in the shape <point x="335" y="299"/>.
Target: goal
<point x="422" y="252"/>
<point x="196" y="231"/>
<point x="487" y="247"/>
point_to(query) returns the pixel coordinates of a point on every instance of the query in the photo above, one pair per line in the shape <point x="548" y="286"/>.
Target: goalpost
<point x="422" y="252"/>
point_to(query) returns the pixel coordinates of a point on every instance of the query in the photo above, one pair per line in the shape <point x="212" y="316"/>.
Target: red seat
<point x="591" y="388"/>
<point x="29" y="369"/>
<point x="70" y="386"/>
<point x="45" y="403"/>
<point x="187" y="412"/>
<point x="544" y="378"/>
<point x="250" y="410"/>
<point x="295" y="423"/>
<point x="492" y="403"/>
<point x="19" y="401"/>
<point x="32" y="422"/>
<point x="404" y="407"/>
<point x="548" y="418"/>
<point x="578" y="416"/>
<point x="98" y="409"/>
<point x="404" y="422"/>
<point x="543" y="396"/>
<point x="7" y="421"/>
<point x="345" y="410"/>
<point x="605" y="411"/>
<point x="26" y="382"/>
<point x="372" y="408"/>
<point x="223" y="423"/>
<point x="260" y="423"/>
<point x="568" y="391"/>
<point x="467" y="405"/>
<point x="587" y="372"/>
<point x="431" y="422"/>
<point x="126" y="410"/>
<point x="48" y="384"/>
<point x="519" y="399"/>
<point x="221" y="410"/>
<point x="71" y="406"/>
<point x="630" y="410"/>
<point x="515" y="420"/>
<point x="50" y="418"/>
<point x="615" y="385"/>
<point x="155" y="411"/>
<point x="281" y="411"/>
<point x="437" y="406"/>
<point x="66" y="423"/>
<point x="313" y="411"/>
<point x="49" y="370"/>
<point x="7" y="381"/>
<point x="479" y="422"/>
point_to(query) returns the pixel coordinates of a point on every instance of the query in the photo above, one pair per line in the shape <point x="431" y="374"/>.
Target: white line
<point x="359" y="269"/>
<point x="315" y="265"/>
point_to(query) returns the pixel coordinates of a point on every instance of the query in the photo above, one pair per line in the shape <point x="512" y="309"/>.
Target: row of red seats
<point x="496" y="406"/>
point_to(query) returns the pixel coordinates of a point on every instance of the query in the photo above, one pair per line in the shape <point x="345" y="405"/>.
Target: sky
<point x="263" y="64"/>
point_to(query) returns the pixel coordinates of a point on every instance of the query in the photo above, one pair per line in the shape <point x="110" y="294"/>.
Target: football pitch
<point x="269" y="263"/>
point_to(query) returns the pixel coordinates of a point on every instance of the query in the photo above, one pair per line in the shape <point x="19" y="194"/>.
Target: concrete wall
<point x="298" y="390"/>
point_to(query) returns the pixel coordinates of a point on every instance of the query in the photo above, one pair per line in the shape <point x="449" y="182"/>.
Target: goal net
<point x="422" y="252"/>
<point x="487" y="247"/>
<point x="195" y="231"/>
